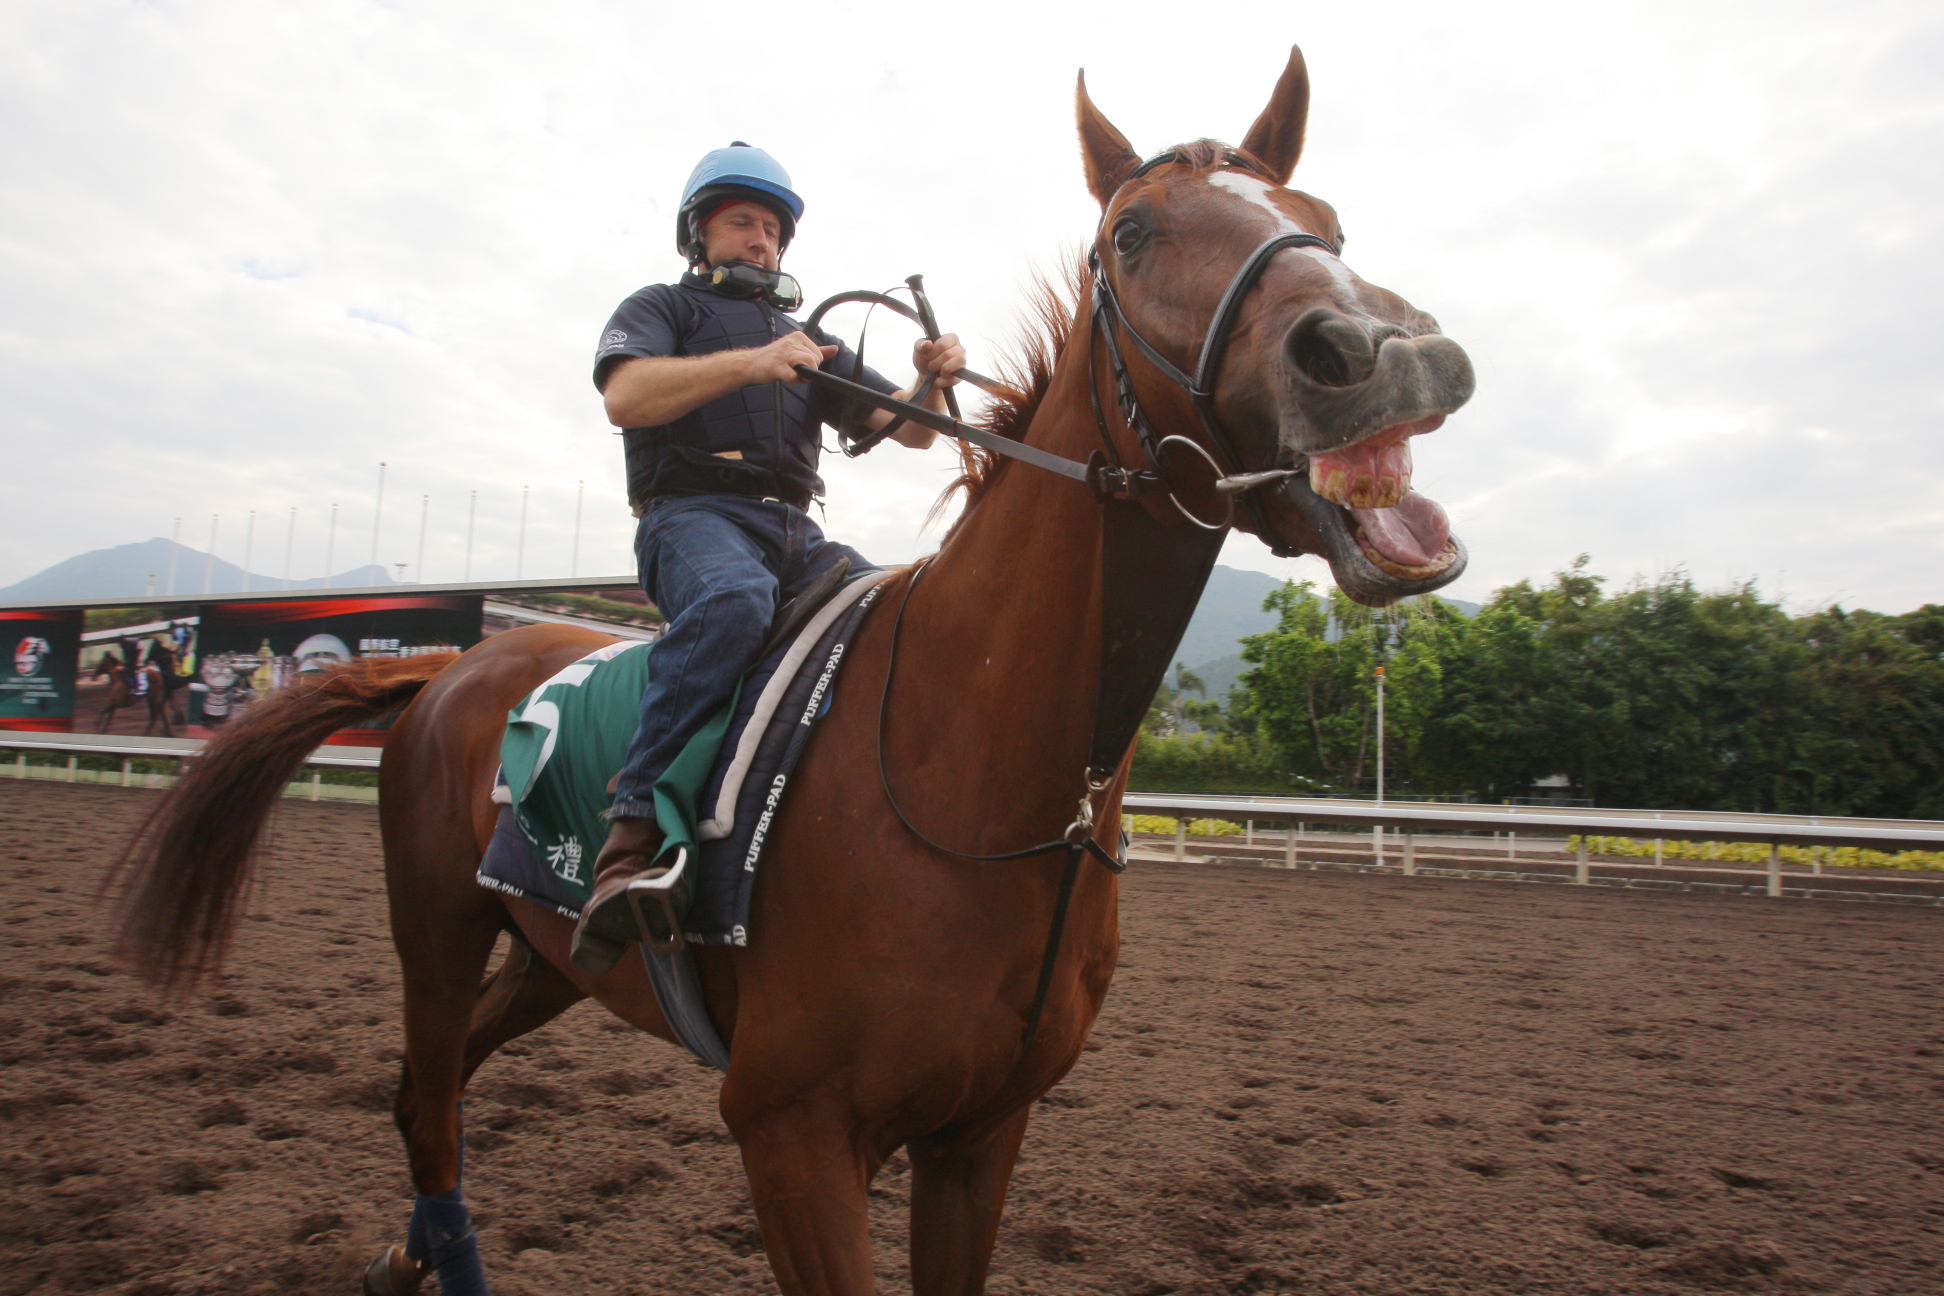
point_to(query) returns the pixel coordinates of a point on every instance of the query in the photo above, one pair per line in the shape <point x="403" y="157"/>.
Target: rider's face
<point x="746" y="231"/>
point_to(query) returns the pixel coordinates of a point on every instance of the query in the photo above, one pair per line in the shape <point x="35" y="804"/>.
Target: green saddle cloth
<point x="569" y="737"/>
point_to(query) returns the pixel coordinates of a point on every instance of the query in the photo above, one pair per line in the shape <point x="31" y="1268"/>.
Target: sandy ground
<point x="1302" y="1082"/>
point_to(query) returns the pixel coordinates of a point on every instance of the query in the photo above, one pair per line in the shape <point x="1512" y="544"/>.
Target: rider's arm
<point x="648" y="391"/>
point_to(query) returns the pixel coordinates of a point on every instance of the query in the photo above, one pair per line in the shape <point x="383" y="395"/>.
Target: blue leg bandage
<point x="441" y="1233"/>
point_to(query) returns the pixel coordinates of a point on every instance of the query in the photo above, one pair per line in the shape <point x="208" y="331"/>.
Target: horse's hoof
<point x="394" y="1273"/>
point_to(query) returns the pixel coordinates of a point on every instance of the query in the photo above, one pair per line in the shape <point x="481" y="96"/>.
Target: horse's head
<point x="1321" y="370"/>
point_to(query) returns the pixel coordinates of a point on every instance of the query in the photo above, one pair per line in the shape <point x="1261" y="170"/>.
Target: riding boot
<point x="635" y="899"/>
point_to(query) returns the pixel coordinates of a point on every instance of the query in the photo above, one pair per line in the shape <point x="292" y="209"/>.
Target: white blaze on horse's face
<point x="1260" y="193"/>
<point x="1321" y="369"/>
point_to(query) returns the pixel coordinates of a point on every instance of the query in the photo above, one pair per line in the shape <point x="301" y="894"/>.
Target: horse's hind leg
<point x="524" y="993"/>
<point x="443" y="928"/>
<point x="958" y="1188"/>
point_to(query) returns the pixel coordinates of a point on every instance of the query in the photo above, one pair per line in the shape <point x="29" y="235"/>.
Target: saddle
<point x="716" y="801"/>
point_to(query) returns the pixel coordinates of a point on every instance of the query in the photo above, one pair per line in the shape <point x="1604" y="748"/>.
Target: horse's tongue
<point x="1413" y="533"/>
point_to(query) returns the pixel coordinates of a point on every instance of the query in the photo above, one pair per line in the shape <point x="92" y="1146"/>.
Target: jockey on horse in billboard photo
<point x="722" y="438"/>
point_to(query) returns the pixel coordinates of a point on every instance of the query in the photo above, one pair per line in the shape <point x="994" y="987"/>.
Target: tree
<point x="1658" y="696"/>
<point x="1314" y="687"/>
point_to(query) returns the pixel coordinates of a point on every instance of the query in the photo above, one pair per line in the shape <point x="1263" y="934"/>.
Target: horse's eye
<point x="1127" y="236"/>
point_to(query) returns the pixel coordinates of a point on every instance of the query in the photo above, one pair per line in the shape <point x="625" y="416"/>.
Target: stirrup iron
<point x="658" y="893"/>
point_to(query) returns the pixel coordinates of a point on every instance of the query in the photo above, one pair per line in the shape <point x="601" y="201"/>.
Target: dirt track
<point x="1307" y="1082"/>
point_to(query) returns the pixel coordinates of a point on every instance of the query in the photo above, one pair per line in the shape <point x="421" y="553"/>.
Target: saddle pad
<point x="717" y="799"/>
<point x="677" y="983"/>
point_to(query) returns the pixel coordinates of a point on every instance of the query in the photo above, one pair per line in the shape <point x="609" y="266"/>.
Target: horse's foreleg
<point x="524" y="993"/>
<point x="808" y="1175"/>
<point x="958" y="1188"/>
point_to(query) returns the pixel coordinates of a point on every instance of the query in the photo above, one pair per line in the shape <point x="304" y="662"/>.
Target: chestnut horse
<point x="882" y="998"/>
<point x="121" y="693"/>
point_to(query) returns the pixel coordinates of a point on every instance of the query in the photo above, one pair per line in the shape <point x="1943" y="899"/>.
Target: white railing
<point x="1406" y="818"/>
<point x="1411" y="818"/>
<point x="131" y="749"/>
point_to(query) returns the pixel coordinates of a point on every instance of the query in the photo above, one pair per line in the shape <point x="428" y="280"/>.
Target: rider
<point x="722" y="440"/>
<point x="135" y="668"/>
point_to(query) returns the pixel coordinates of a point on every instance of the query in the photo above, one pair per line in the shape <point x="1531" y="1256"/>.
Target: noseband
<point x="1109" y="319"/>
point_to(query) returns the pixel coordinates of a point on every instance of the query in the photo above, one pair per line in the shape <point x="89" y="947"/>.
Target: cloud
<point x="247" y="252"/>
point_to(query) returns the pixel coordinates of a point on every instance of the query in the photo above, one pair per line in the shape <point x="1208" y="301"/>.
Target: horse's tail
<point x="181" y="879"/>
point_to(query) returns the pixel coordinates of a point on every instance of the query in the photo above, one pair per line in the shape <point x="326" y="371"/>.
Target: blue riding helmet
<point x="738" y="171"/>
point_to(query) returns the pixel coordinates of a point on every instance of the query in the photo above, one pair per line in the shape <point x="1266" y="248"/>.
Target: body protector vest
<point x="763" y="440"/>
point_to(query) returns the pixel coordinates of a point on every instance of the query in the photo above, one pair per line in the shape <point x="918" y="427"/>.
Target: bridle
<point x="1109" y="318"/>
<point x="1151" y="575"/>
<point x="1104" y="472"/>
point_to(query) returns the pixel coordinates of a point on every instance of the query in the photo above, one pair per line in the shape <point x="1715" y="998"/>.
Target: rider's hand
<point x="780" y="358"/>
<point x="945" y="357"/>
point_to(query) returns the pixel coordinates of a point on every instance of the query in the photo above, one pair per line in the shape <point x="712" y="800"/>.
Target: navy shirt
<point x="761" y="440"/>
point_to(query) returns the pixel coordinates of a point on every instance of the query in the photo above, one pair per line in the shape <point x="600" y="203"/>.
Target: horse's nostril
<point x="1331" y="349"/>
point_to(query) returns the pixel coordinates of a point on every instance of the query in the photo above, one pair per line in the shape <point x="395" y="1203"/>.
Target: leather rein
<point x="1104" y="474"/>
<point x="1136" y="641"/>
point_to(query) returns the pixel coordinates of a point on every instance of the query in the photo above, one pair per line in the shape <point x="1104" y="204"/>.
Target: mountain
<point x="124" y="571"/>
<point x="1219" y="676"/>
<point x="1230" y="608"/>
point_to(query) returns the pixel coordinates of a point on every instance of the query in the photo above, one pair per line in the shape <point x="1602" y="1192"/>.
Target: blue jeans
<point x="718" y="567"/>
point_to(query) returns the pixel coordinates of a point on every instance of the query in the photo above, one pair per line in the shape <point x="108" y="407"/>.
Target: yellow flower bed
<point x="1758" y="853"/>
<point x="1196" y="828"/>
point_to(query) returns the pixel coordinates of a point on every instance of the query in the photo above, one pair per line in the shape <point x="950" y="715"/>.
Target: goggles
<point x="746" y="282"/>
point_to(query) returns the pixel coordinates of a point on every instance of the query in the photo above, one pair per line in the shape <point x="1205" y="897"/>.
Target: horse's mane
<point x="1045" y="323"/>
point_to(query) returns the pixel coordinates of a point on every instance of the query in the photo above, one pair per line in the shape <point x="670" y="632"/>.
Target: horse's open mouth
<point x="1384" y="541"/>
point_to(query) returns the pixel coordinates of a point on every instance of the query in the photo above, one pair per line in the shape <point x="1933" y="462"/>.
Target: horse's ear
<point x="1276" y="139"/>
<point x="1109" y="158"/>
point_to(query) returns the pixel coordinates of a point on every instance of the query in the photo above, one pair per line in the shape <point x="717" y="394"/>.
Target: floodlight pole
<point x="1377" y="831"/>
<point x="519" y="560"/>
<point x="580" y="498"/>
<point x="472" y="515"/>
<point x="209" y="559"/>
<point x="175" y="546"/>
<point x="1380" y="735"/>
<point x="425" y="511"/>
<point x="377" y="513"/>
<point x="249" y="545"/>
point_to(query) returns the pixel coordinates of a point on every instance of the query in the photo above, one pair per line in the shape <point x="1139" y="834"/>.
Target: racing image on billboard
<point x="246" y="650"/>
<point x="37" y="673"/>
<point x="132" y="674"/>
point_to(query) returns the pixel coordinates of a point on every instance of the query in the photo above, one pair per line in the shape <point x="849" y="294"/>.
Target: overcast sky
<point x="247" y="251"/>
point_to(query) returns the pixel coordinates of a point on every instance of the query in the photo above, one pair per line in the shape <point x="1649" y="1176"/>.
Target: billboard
<point x="37" y="672"/>
<point x="245" y="650"/>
